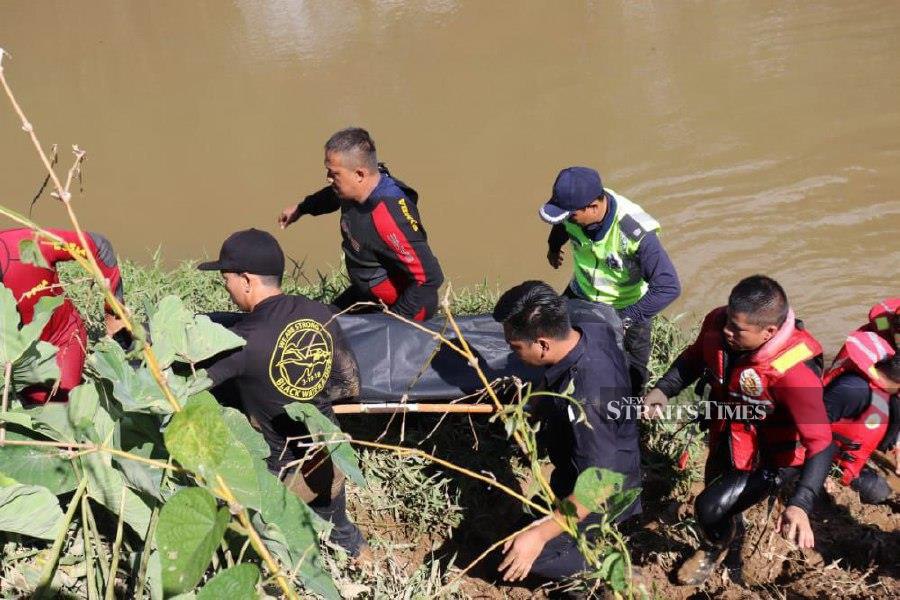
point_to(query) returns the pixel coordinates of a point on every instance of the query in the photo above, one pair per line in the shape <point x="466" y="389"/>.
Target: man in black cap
<point x="295" y="352"/>
<point x="618" y="259"/>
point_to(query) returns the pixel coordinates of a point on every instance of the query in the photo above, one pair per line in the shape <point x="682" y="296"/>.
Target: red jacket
<point x="858" y="437"/>
<point x="777" y="382"/>
<point x="29" y="283"/>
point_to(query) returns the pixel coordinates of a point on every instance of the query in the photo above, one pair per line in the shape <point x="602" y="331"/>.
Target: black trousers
<point x="730" y="492"/>
<point x="638" y="344"/>
<point x="344" y="532"/>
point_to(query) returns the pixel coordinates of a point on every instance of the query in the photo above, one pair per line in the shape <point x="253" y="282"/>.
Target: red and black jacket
<point x="385" y="246"/>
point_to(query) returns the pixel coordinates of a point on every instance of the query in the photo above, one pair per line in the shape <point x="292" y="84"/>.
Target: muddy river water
<point x="765" y="136"/>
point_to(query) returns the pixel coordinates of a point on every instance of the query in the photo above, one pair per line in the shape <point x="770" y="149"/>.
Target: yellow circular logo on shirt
<point x="301" y="360"/>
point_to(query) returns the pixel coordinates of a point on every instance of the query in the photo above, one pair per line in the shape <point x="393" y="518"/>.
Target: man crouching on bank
<point x="583" y="363"/>
<point x="754" y="352"/>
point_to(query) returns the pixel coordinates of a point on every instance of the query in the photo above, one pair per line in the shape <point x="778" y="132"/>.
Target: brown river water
<point x="765" y="136"/>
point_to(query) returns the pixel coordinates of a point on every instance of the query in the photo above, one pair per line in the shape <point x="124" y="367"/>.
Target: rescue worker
<point x="884" y="319"/>
<point x="617" y="258"/>
<point x="295" y="352"/>
<point x="766" y="418"/>
<point x="30" y="282"/>
<point x="862" y="402"/>
<point x="385" y="245"/>
<point x="586" y="364"/>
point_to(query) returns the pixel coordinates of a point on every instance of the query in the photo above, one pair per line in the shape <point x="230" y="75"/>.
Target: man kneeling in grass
<point x="585" y="364"/>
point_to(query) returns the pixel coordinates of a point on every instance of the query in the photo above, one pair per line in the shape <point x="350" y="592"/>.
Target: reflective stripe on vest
<point x="607" y="270"/>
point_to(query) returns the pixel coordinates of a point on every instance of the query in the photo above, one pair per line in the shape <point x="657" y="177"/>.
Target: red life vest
<point x="884" y="318"/>
<point x="858" y="437"/>
<point x="748" y="383"/>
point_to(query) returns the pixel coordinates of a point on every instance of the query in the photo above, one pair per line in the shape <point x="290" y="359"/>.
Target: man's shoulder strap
<point x="408" y="191"/>
<point x="634" y="221"/>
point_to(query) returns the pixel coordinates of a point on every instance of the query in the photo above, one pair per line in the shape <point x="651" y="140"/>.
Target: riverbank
<point x="425" y="523"/>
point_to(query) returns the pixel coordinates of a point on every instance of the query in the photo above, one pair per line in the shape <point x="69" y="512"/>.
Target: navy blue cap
<point x="248" y="251"/>
<point x="574" y="188"/>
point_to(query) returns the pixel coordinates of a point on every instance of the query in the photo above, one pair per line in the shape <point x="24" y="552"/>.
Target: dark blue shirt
<point x="595" y="373"/>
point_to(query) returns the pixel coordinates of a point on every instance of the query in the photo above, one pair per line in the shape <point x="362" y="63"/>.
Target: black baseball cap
<point x="574" y="188"/>
<point x="248" y="251"/>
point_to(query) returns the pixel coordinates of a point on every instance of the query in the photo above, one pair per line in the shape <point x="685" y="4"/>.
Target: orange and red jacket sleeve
<point x="799" y="392"/>
<point x="98" y="246"/>
<point x="689" y="365"/>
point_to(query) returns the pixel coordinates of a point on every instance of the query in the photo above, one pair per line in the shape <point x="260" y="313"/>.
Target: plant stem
<point x="117" y="545"/>
<point x="95" y="534"/>
<point x="7" y="377"/>
<point x="257" y="542"/>
<point x="145" y="554"/>
<point x="49" y="569"/>
<point x="88" y="552"/>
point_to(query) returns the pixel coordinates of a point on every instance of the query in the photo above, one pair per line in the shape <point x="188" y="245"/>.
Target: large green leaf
<point x="168" y="329"/>
<point x="238" y="469"/>
<point x="323" y="429"/>
<point x="244" y="433"/>
<point x="88" y="414"/>
<point x="197" y="437"/>
<point x="200" y="440"/>
<point x="189" y="531"/>
<point x="30" y="510"/>
<point x="594" y="485"/>
<point x="135" y="390"/>
<point x="205" y="339"/>
<point x="43" y="310"/>
<point x="36" y="465"/>
<point x="178" y="334"/>
<point x="289" y="529"/>
<point x="11" y="346"/>
<point x="107" y="485"/>
<point x="36" y="365"/>
<point x="619" y="502"/>
<point x="33" y="361"/>
<point x="52" y="420"/>
<point x="236" y="583"/>
<point x="141" y="436"/>
<point x="30" y="254"/>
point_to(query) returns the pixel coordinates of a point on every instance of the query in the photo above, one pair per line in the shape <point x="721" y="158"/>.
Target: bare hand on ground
<point x="521" y="552"/>
<point x="794" y="526"/>
<point x="290" y="214"/>
<point x="555" y="258"/>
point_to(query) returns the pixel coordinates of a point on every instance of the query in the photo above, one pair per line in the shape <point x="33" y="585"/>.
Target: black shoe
<point x="697" y="569"/>
<point x="872" y="487"/>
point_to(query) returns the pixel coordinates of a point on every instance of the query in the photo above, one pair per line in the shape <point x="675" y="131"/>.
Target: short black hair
<point x="890" y="366"/>
<point x="271" y="280"/>
<point x="533" y="309"/>
<point x="761" y="298"/>
<point x="356" y="143"/>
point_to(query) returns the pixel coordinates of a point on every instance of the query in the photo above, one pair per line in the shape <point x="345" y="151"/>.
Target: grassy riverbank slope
<point x="425" y="523"/>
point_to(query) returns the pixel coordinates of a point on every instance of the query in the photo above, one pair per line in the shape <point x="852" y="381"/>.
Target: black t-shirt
<point x="595" y="373"/>
<point x="295" y="352"/>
